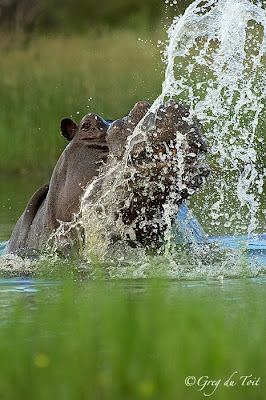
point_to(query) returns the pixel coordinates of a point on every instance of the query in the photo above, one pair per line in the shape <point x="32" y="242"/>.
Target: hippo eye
<point x="85" y="125"/>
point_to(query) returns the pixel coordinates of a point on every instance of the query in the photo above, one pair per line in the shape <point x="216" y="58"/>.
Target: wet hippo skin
<point x="96" y="142"/>
<point x="59" y="199"/>
<point x="157" y="179"/>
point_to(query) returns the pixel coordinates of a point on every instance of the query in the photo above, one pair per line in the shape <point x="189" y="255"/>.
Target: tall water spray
<point x="215" y="65"/>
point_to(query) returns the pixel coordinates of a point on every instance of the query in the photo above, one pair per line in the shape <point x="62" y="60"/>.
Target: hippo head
<point x="92" y="129"/>
<point x="78" y="164"/>
<point x="159" y="166"/>
<point x="135" y="175"/>
<point x="163" y="167"/>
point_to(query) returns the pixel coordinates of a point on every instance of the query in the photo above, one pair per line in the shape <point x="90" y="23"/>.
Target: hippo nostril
<point x="119" y="124"/>
<point x="142" y="104"/>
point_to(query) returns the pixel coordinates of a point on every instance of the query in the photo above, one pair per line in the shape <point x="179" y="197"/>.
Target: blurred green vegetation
<point x="71" y="59"/>
<point x="66" y="16"/>
<point x="130" y="340"/>
<point x="54" y="77"/>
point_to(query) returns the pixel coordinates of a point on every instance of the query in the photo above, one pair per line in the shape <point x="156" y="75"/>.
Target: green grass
<point x="132" y="340"/>
<point x="53" y="77"/>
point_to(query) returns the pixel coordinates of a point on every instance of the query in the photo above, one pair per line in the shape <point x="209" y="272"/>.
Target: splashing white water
<point x="216" y="65"/>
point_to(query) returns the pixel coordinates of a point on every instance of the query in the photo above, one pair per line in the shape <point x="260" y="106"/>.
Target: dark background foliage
<point x="78" y="15"/>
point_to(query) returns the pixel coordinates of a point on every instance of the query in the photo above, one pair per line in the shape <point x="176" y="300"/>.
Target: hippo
<point x="155" y="178"/>
<point x="97" y="144"/>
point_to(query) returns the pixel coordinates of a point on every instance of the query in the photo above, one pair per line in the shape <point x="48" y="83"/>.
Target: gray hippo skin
<point x="96" y="142"/>
<point x="158" y="178"/>
<point x="59" y="199"/>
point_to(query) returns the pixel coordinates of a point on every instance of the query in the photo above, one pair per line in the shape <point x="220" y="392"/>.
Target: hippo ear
<point x="68" y="128"/>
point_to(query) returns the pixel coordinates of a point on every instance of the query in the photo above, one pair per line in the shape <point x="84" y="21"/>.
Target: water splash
<point x="216" y="65"/>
